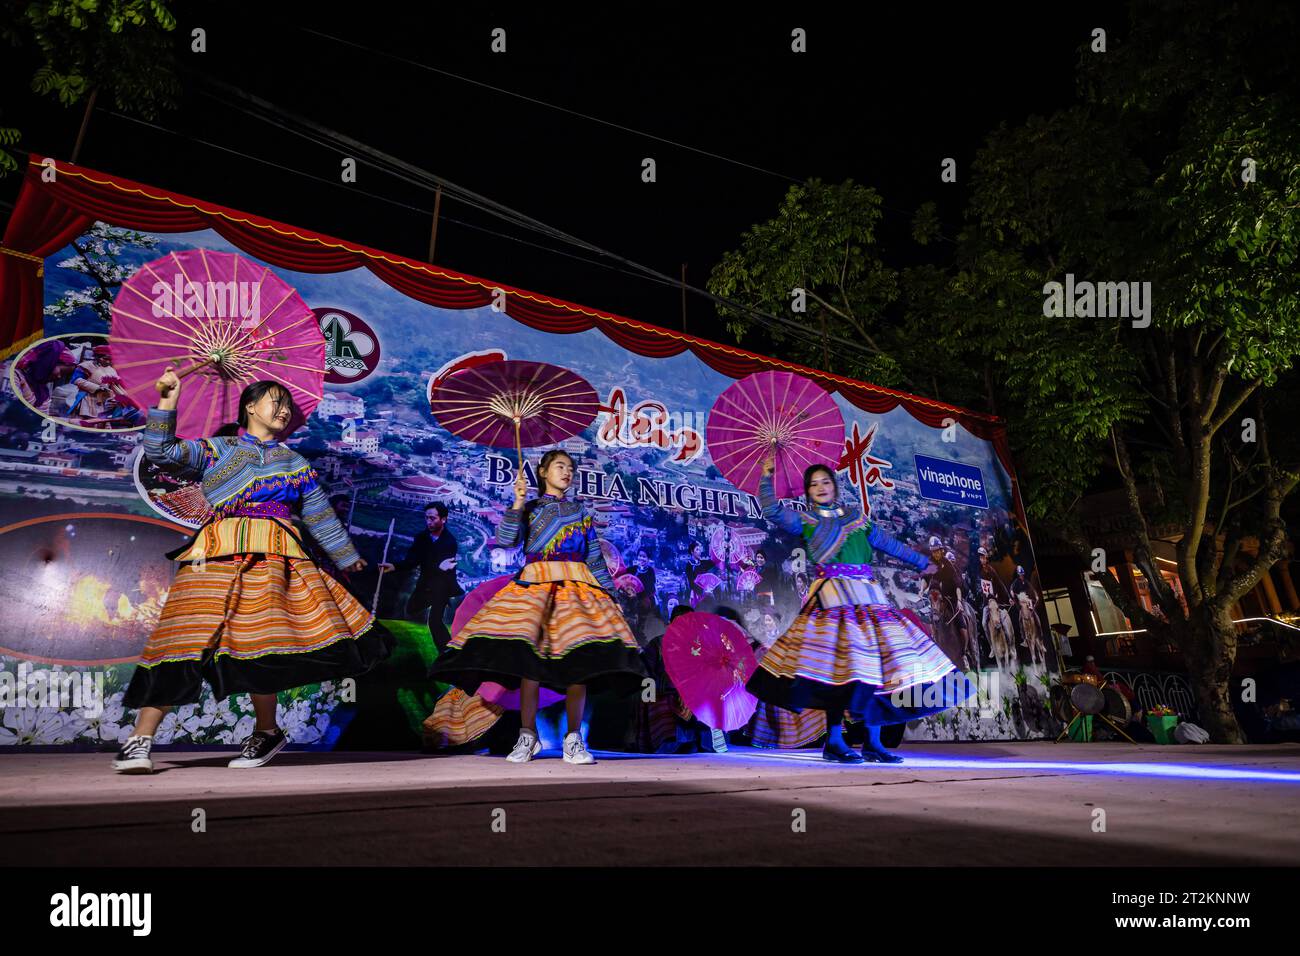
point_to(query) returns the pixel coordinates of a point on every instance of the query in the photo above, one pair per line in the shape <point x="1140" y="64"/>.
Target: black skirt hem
<point x="601" y="666"/>
<point x="863" y="701"/>
<point x="181" y="682"/>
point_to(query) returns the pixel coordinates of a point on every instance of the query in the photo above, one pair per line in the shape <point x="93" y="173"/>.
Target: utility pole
<point x="433" y="232"/>
<point x="85" y="121"/>
<point x="683" y="297"/>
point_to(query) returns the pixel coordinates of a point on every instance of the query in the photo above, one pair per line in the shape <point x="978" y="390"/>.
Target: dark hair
<point x="679" y="610"/>
<point x="230" y="429"/>
<point x="730" y="613"/>
<point x="254" y="394"/>
<point x="441" y="508"/>
<point x="545" y="463"/>
<point x="812" y="470"/>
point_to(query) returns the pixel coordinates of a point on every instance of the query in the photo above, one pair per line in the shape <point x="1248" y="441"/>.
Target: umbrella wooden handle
<point x="519" y="447"/>
<point x="193" y="368"/>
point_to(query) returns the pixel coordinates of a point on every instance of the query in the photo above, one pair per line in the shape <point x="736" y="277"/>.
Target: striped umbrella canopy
<point x="774" y="412"/>
<point x="524" y="404"/>
<point x="223" y="319"/>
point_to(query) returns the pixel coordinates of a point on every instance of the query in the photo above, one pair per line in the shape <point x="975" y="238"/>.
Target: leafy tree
<point x="1179" y="166"/>
<point x="822" y="241"/>
<point x="120" y="47"/>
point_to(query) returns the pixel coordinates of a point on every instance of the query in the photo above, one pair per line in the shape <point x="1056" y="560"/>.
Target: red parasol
<point x="709" y="659"/>
<point x="513" y="403"/>
<point x="774" y="410"/>
<point x="230" y="321"/>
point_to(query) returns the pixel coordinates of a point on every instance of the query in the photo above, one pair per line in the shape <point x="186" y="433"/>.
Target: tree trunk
<point x="1210" y="650"/>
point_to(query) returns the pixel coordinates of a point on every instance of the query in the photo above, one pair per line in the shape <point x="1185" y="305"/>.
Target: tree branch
<point x="1142" y="554"/>
<point x="1218" y="422"/>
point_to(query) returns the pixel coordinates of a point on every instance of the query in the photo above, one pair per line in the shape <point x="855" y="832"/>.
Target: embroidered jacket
<point x="240" y="473"/>
<point x="550" y="526"/>
<point x="841" y="534"/>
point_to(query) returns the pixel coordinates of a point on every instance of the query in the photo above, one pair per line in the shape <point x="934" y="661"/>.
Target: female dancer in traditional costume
<point x="249" y="611"/>
<point x="849" y="649"/>
<point x="557" y="623"/>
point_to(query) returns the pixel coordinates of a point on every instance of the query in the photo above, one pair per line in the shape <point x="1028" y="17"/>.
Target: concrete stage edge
<point x="1018" y="803"/>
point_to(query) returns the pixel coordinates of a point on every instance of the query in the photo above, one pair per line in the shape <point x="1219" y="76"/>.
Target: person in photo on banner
<point x="249" y="611"/>
<point x="433" y="555"/>
<point x="100" y="394"/>
<point x="556" y="624"/>
<point x="849" y="650"/>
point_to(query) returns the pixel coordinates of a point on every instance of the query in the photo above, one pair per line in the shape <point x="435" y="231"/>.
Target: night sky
<point x="882" y="95"/>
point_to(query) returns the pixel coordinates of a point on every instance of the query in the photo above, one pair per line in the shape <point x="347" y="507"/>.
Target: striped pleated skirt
<point x="850" y="650"/>
<point x="459" y="718"/>
<point x="553" y="624"/>
<point x="252" y="623"/>
<point x="780" y="729"/>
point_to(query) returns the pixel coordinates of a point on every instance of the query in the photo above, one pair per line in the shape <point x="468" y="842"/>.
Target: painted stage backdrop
<point x="85" y="520"/>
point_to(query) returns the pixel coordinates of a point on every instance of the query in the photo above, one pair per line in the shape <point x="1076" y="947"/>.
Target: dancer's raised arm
<point x="161" y="446"/>
<point x="778" y="514"/>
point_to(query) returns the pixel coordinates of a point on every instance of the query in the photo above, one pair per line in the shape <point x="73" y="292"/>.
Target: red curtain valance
<point x="51" y="211"/>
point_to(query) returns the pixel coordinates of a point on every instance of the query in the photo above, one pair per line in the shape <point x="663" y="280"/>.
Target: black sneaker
<point x="259" y="748"/>
<point x="133" y="756"/>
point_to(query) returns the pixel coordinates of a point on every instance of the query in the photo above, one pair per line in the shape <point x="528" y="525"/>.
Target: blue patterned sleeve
<point x="324" y="525"/>
<point x="510" y="529"/>
<point x="162" y="447"/>
<point x="896" y="548"/>
<point x="778" y="514"/>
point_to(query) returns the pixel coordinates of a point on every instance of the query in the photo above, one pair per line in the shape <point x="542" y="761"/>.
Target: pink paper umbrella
<point x="774" y="410"/>
<point x="514" y="404"/>
<point x="709" y="659"/>
<point x="490" y="691"/>
<point x="223" y="322"/>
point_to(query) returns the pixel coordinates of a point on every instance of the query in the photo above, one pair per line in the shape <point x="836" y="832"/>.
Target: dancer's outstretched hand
<point x="360" y="564"/>
<point x="169" y="390"/>
<point x="769" y="464"/>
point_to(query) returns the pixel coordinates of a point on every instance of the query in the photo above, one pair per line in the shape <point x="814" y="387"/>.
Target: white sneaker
<point x="526" y="747"/>
<point x="575" y="751"/>
<point x="133" y="756"/>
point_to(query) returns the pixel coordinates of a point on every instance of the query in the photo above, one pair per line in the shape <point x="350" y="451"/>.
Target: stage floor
<point x="992" y="803"/>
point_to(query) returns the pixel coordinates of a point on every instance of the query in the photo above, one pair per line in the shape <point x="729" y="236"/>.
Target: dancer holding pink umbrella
<point x="249" y="610"/>
<point x="849" y="648"/>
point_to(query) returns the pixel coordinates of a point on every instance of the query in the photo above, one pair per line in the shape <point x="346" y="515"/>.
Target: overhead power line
<point x="332" y="139"/>
<point x="552" y="106"/>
